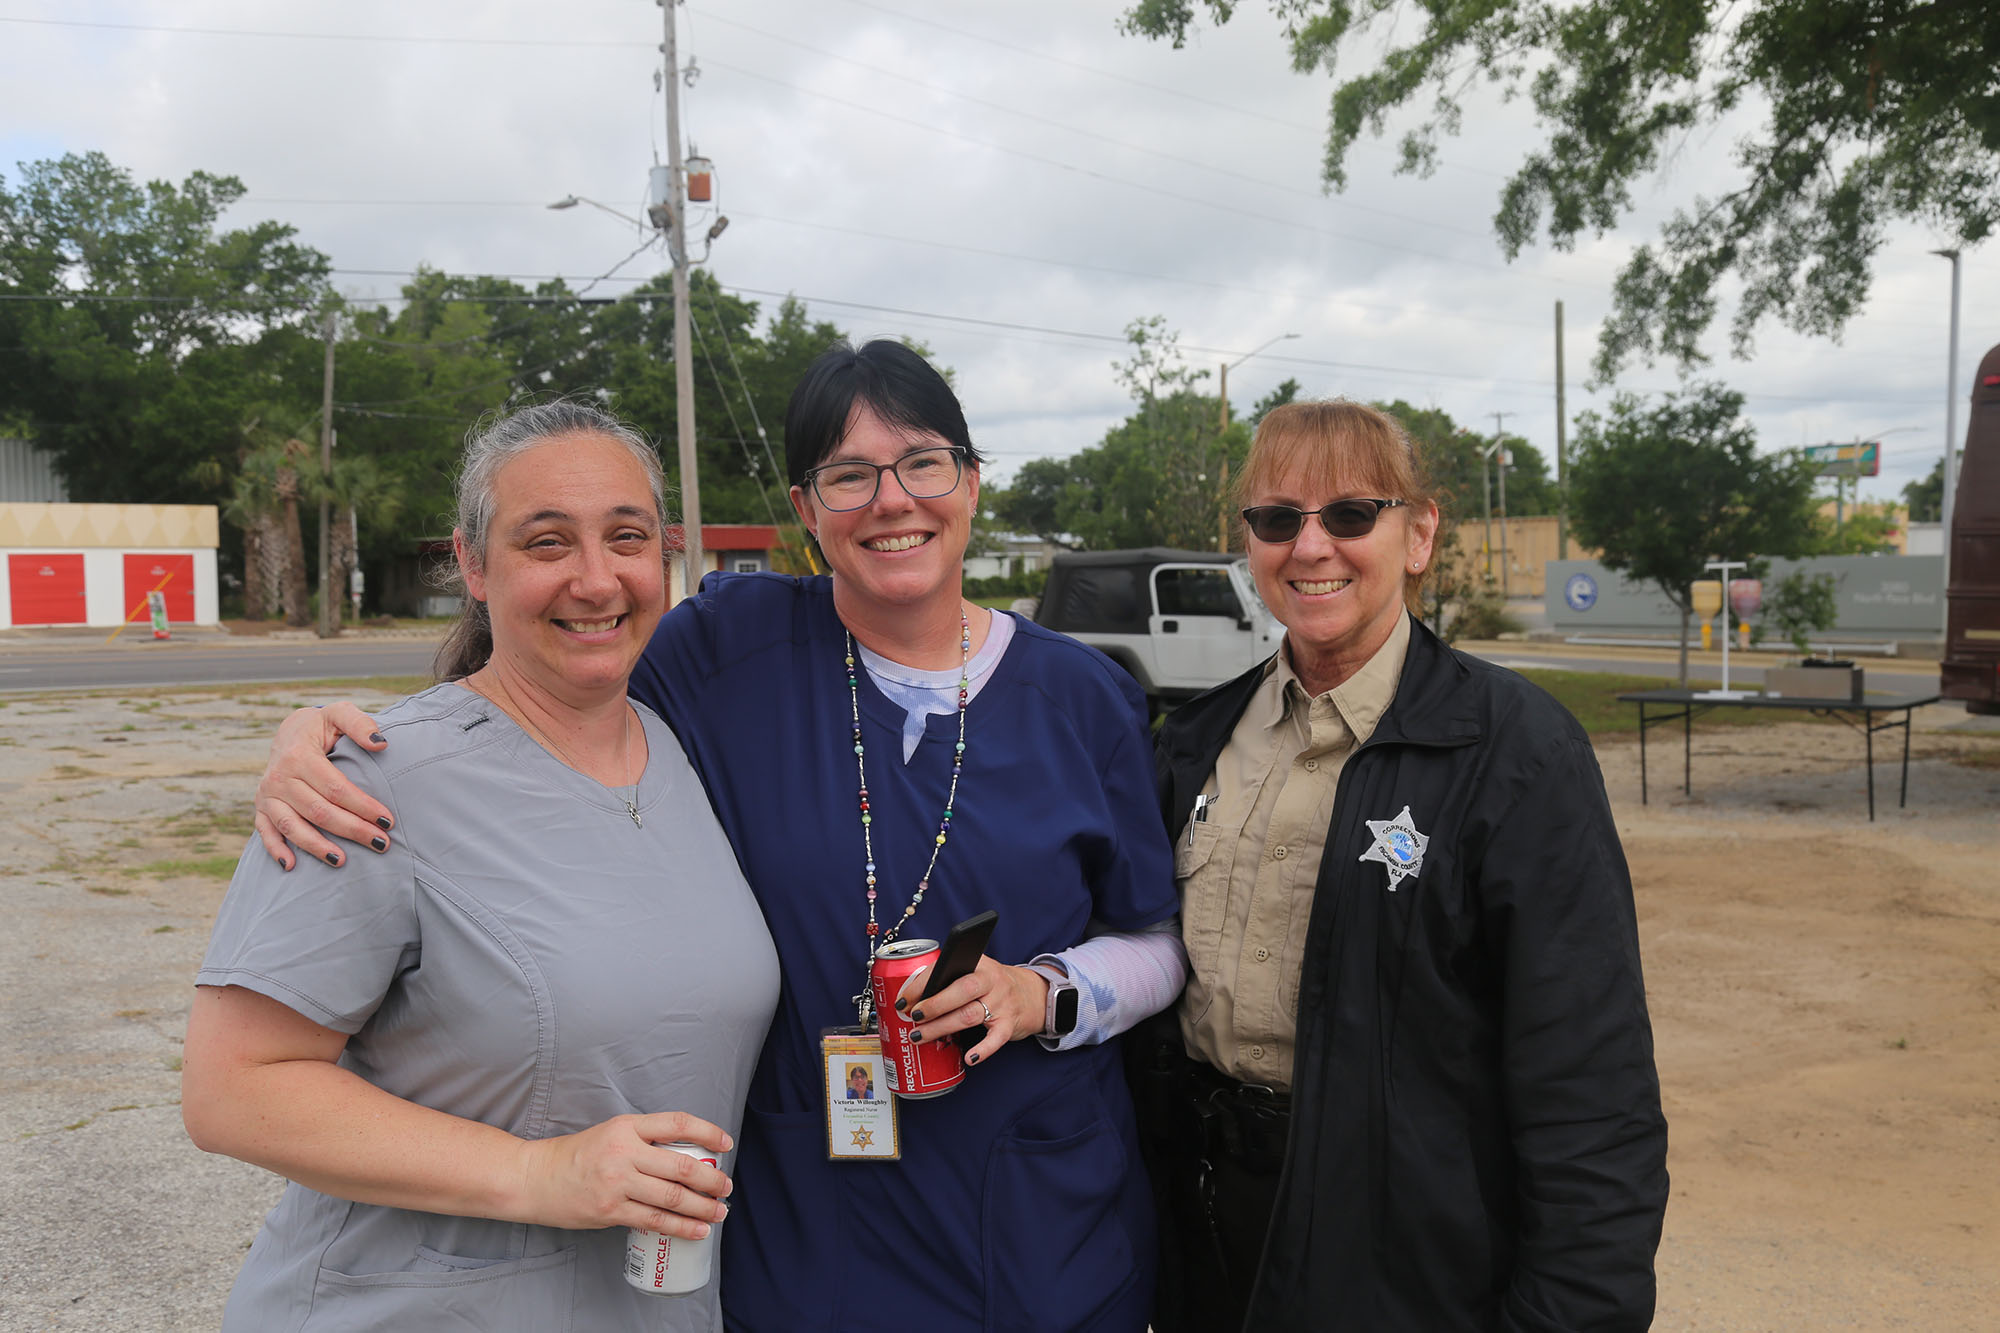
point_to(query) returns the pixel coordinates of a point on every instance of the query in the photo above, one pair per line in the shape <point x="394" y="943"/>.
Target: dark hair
<point x="890" y="380"/>
<point x="495" y="441"/>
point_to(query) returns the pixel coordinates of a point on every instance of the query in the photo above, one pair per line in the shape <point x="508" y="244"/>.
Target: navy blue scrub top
<point x="1019" y="1202"/>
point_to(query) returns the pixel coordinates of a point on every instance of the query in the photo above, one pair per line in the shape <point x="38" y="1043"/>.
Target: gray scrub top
<point x="523" y="955"/>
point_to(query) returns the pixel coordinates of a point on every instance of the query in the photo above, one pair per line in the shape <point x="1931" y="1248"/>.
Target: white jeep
<point x="1177" y="621"/>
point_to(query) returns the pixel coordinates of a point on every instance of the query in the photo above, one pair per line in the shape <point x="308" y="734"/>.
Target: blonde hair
<point x="1362" y="448"/>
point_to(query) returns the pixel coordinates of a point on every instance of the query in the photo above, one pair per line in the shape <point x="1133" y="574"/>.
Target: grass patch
<point x="211" y="867"/>
<point x="164" y="930"/>
<point x="1593" y="697"/>
<point x="208" y="821"/>
<point x="107" y="891"/>
<point x="1986" y="757"/>
<point x="255" y="692"/>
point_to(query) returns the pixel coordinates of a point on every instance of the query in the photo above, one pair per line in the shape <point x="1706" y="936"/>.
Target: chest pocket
<point x="1203" y="857"/>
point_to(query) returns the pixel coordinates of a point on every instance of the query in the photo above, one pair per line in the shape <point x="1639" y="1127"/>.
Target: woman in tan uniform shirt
<point x="1410" y="1084"/>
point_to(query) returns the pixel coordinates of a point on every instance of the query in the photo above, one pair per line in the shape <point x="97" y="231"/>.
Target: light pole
<point x="1950" y="448"/>
<point x="1222" y="501"/>
<point x="1499" y="440"/>
<point x="675" y="205"/>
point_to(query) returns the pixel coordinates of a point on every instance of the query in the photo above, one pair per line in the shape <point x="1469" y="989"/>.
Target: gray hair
<point x="496" y="440"/>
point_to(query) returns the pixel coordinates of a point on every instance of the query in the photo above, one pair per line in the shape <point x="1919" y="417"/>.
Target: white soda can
<point x="670" y="1265"/>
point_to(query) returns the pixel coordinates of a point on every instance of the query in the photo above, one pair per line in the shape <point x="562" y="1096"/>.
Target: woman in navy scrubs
<point x="889" y="759"/>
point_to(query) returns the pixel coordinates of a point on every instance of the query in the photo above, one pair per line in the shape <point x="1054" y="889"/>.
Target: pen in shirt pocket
<point x="1202" y="804"/>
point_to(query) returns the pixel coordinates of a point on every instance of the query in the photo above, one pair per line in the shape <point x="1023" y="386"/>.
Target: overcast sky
<point x="1009" y="182"/>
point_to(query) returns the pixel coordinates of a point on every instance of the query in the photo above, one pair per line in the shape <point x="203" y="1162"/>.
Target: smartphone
<point x="959" y="956"/>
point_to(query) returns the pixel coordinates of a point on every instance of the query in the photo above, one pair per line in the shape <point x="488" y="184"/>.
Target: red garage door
<point x="143" y="574"/>
<point x="47" y="589"/>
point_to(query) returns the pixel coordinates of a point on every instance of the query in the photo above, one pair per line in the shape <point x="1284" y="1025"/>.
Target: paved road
<point x="118" y="666"/>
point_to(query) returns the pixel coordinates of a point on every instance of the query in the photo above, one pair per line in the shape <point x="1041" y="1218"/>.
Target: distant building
<point x="93" y="564"/>
<point x="27" y="475"/>
<point x="732" y="548"/>
<point x="1016" y="555"/>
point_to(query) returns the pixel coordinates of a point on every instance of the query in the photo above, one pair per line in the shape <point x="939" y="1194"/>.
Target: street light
<point x="572" y="200"/>
<point x="1222" y="500"/>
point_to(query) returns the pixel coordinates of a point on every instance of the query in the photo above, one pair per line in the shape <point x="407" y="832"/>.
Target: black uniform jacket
<point x="1476" y="1140"/>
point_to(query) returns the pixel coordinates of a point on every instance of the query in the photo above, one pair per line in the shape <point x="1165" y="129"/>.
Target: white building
<point x="93" y="564"/>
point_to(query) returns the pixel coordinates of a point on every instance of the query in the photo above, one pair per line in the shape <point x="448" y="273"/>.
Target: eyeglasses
<point x="1342" y="519"/>
<point x="925" y="474"/>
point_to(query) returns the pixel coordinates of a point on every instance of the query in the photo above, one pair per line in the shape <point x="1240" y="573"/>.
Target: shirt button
<point x="1279" y="853"/>
<point x="1256" y="1052"/>
<point x="1312" y="765"/>
<point x="1263" y="954"/>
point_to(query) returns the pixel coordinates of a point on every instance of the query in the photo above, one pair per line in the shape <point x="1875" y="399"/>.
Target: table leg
<point x="1868" y="726"/>
<point x="1687" y="751"/>
<point x="1903" y="800"/>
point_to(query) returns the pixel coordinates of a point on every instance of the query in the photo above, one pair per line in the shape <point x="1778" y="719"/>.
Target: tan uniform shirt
<point x="1246" y="869"/>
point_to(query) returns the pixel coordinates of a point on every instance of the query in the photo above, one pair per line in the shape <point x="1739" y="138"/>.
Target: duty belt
<point x="1216" y="1116"/>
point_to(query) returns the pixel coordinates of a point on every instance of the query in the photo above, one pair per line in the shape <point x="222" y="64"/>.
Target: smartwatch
<point x="1060" y="1019"/>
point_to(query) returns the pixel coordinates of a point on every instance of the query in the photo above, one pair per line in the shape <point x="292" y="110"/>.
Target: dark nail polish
<point x="972" y="1059"/>
<point x="900" y="1002"/>
<point x="383" y="823"/>
<point x="917" y="1014"/>
<point x="379" y="844"/>
<point x="916" y="1036"/>
<point x="375" y="736"/>
<point x="333" y="858"/>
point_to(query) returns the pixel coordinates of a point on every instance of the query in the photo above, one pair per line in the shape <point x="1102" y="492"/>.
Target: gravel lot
<point x="1826" y="996"/>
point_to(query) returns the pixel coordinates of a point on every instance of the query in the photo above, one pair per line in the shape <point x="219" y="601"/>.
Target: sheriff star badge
<point x="1397" y="846"/>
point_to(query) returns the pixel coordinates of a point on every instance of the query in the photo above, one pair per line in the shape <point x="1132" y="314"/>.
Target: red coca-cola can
<point x="927" y="1070"/>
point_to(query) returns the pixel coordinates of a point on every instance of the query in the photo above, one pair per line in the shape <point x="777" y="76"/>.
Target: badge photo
<point x="861" y="1123"/>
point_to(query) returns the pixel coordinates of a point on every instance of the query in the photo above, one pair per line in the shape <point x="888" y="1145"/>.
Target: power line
<point x="537" y="43"/>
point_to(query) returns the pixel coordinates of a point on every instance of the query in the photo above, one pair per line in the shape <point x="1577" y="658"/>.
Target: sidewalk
<point x="137" y="636"/>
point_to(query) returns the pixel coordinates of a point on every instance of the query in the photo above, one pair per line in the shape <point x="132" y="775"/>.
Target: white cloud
<point x="1033" y="168"/>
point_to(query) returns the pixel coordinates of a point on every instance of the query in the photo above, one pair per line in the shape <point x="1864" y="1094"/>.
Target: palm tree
<point x="282" y="471"/>
<point x="357" y="488"/>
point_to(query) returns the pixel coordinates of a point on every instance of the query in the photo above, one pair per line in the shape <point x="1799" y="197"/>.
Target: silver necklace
<point x="627" y="795"/>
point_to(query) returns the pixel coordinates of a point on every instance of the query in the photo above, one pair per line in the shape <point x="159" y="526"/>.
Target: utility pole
<point x="328" y="595"/>
<point x="1562" y="448"/>
<point x="1950" y="448"/>
<point x="1222" y="387"/>
<point x="1500" y="457"/>
<point x="675" y="204"/>
<point x="1222" y="504"/>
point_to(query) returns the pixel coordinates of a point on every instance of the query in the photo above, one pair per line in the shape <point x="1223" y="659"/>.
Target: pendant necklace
<point x="628" y="796"/>
<point x="877" y="938"/>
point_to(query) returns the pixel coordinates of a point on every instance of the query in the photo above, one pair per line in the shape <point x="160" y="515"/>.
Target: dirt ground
<point x="1825" y="997"/>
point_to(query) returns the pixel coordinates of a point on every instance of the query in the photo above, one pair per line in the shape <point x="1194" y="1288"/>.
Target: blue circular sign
<point x="1580" y="592"/>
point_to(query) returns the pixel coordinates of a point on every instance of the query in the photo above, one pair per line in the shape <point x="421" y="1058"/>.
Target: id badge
<point x="860" y="1109"/>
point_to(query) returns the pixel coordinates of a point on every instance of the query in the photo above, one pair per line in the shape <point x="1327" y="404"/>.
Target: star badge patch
<point x="863" y="1138"/>
<point x="1398" y="846"/>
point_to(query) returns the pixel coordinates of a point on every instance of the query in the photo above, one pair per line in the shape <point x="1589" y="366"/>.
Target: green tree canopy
<point x="1156" y="479"/>
<point x="137" y="333"/>
<point x="1662" y="489"/>
<point x="1861" y="113"/>
<point x="1925" y="496"/>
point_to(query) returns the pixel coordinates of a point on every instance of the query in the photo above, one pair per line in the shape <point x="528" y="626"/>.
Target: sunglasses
<point x="1342" y="519"/>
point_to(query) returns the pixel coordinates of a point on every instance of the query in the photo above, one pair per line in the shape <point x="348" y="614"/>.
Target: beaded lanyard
<point x="864" y="1001"/>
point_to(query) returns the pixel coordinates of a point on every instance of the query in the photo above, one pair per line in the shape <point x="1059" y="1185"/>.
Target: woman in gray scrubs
<point x="467" y="1058"/>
